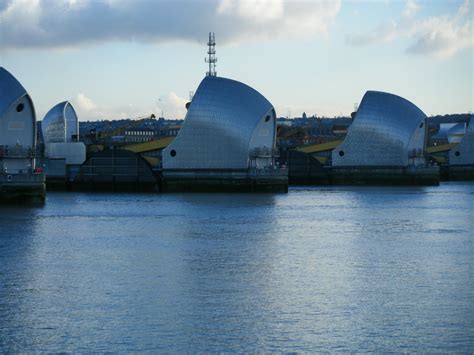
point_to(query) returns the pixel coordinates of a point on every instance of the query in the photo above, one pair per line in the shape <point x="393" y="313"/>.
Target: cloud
<point x="411" y="8"/>
<point x="83" y="103"/>
<point x="437" y="36"/>
<point x="4" y="4"/>
<point x="258" y="10"/>
<point x="172" y="105"/>
<point x="441" y="37"/>
<point x="88" y="110"/>
<point x="386" y="32"/>
<point x="69" y="23"/>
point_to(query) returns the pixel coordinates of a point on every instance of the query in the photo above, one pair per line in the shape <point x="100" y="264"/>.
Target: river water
<point x="317" y="269"/>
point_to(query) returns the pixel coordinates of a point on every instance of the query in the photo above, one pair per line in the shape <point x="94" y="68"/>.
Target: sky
<point x="117" y="59"/>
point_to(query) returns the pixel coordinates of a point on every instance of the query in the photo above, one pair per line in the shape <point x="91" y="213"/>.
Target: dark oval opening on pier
<point x="173" y="153"/>
<point x="421" y="125"/>
<point x="20" y="107"/>
<point x="457" y="154"/>
<point x="341" y="153"/>
<point x="267" y="118"/>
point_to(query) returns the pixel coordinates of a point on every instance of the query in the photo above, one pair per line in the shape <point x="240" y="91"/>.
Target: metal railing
<point x="269" y="171"/>
<point x="264" y="152"/>
<point x="17" y="151"/>
<point x="415" y="153"/>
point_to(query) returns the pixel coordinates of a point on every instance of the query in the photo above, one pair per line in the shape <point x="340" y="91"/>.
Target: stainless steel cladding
<point x="17" y="126"/>
<point x="387" y="131"/>
<point x="456" y="133"/>
<point x="463" y="154"/>
<point x="61" y="125"/>
<point x="226" y="124"/>
<point x="17" y="114"/>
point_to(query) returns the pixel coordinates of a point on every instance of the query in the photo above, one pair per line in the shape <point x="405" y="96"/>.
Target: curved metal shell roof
<point x="10" y="90"/>
<point x="386" y="130"/>
<point x="17" y="113"/>
<point x="219" y="128"/>
<point x="456" y="133"/>
<point x="60" y="123"/>
<point x="464" y="153"/>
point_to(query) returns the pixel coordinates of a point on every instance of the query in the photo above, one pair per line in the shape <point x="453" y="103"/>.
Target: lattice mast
<point x="211" y="59"/>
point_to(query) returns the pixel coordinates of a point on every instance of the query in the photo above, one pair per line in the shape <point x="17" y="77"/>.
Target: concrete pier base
<point x="304" y="169"/>
<point x="223" y="181"/>
<point x="112" y="170"/>
<point x="385" y="175"/>
<point x="461" y="172"/>
<point x="109" y="186"/>
<point x="29" y="188"/>
<point x="321" y="177"/>
<point x="224" y="185"/>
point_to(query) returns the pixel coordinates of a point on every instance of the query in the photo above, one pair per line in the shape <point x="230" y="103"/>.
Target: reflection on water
<point x="319" y="269"/>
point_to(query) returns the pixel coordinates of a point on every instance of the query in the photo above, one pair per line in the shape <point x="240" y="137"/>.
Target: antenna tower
<point x="211" y="59"/>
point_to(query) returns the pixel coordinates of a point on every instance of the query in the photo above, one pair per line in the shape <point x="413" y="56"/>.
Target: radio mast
<point x="211" y="59"/>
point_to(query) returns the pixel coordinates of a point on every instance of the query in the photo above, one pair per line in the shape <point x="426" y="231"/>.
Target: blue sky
<point x="124" y="58"/>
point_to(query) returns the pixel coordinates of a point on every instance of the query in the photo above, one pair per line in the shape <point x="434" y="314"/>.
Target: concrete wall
<point x="73" y="153"/>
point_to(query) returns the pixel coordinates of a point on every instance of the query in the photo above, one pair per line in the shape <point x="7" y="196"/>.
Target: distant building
<point x="168" y="131"/>
<point x="284" y="121"/>
<point x="138" y="135"/>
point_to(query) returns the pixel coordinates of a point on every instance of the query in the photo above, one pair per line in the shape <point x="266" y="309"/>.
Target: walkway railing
<point x="263" y="152"/>
<point x="17" y="151"/>
<point x="269" y="171"/>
